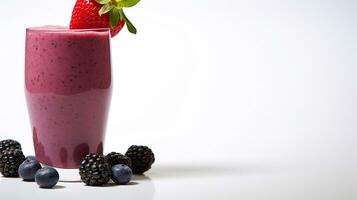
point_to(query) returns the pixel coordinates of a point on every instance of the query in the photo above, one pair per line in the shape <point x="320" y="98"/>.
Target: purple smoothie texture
<point x="68" y="91"/>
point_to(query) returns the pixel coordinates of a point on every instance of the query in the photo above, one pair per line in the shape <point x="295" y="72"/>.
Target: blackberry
<point x="9" y="144"/>
<point x="94" y="170"/>
<point x="10" y="160"/>
<point x="115" y="158"/>
<point x="141" y="158"/>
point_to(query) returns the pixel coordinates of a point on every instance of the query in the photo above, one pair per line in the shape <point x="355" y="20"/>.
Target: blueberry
<point x="30" y="158"/>
<point x="47" y="177"/>
<point x="28" y="169"/>
<point x="121" y="174"/>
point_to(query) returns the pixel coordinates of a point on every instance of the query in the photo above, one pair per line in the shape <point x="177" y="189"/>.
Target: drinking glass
<point x="68" y="86"/>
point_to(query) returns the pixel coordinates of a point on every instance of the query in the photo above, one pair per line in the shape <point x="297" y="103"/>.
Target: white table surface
<point x="228" y="181"/>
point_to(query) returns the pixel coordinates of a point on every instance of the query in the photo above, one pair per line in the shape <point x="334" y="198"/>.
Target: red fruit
<point x="85" y="16"/>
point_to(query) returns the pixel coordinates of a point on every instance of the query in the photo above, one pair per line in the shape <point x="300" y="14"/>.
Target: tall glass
<point x="68" y="89"/>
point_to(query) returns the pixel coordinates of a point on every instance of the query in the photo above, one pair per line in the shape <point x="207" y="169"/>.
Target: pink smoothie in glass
<point x="68" y="92"/>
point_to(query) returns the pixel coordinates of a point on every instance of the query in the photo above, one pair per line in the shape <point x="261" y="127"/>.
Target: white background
<point x="238" y="99"/>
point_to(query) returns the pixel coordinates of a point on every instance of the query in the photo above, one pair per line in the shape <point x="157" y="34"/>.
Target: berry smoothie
<point x="68" y="91"/>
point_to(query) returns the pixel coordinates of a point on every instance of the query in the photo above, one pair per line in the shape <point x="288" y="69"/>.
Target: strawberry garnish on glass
<point x="89" y="14"/>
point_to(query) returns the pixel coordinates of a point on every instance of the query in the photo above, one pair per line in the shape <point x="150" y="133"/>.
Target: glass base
<point x="67" y="175"/>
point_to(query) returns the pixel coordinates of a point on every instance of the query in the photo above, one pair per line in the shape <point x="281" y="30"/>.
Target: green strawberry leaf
<point x="102" y="1"/>
<point x="129" y="25"/>
<point x="126" y="3"/>
<point x="114" y="17"/>
<point x="105" y="8"/>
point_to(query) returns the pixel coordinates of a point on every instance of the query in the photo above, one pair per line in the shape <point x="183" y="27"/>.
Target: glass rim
<point x="63" y="29"/>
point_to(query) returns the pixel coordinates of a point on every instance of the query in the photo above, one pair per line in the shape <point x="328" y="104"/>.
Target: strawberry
<point x="88" y="14"/>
